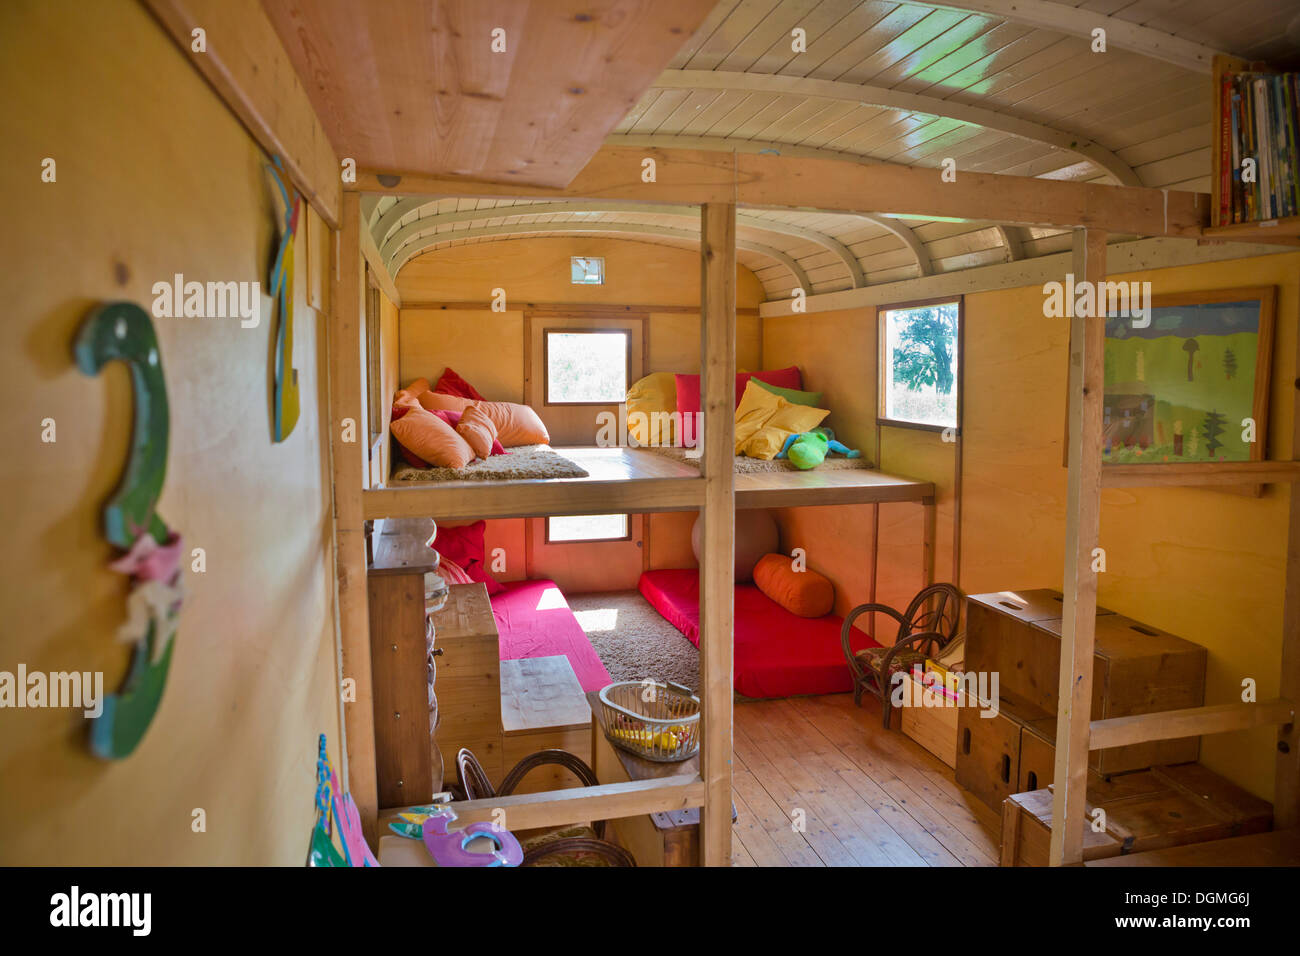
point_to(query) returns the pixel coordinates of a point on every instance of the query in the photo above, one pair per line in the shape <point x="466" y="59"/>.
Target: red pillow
<point x="453" y="419"/>
<point x="464" y="546"/>
<point x="688" y="386"/>
<point x="453" y="384"/>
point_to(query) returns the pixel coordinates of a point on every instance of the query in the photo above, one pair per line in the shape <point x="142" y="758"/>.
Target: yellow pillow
<point x="650" y="404"/>
<point x="756" y="406"/>
<point x="764" y="420"/>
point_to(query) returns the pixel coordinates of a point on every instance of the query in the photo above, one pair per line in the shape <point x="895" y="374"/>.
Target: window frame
<point x="882" y="346"/>
<point x="627" y="523"/>
<point x="601" y="259"/>
<point x="566" y="330"/>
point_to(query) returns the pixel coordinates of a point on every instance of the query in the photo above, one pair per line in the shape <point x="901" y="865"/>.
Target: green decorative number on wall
<point x="124" y="331"/>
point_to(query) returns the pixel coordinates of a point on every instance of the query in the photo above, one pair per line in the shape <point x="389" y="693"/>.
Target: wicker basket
<point x="665" y="728"/>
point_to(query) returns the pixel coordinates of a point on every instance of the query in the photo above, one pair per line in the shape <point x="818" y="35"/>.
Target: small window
<point x="586" y="368"/>
<point x="587" y="270"/>
<point x="587" y="528"/>
<point x="918" y="364"/>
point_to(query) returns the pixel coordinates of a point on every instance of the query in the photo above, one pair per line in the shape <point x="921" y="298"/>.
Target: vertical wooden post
<point x="346" y="335"/>
<point x="1286" y="788"/>
<point x="1082" y="522"/>
<point x="718" y="515"/>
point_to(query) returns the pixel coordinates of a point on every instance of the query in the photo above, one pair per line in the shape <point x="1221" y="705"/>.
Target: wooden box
<point x="930" y="719"/>
<point x="1001" y="638"/>
<point x="1147" y="810"/>
<point x="1038" y="756"/>
<point x="543" y="707"/>
<point x="469" y="680"/>
<point x="1139" y="669"/>
<point x="988" y="748"/>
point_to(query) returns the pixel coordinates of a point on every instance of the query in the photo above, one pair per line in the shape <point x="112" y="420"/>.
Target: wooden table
<point x="543" y="707"/>
<point x="669" y="838"/>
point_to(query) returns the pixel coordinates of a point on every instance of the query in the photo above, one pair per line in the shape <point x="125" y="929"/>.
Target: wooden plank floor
<point x="865" y="796"/>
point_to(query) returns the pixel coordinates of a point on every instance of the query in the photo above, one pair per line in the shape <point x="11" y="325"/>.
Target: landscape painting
<point x="1192" y="385"/>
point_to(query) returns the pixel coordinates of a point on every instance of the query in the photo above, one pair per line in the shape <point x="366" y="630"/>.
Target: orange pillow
<point x="805" y="592"/>
<point x="427" y="436"/>
<point x="417" y="387"/>
<point x="516" y="424"/>
<point x="438" y="402"/>
<point x="477" y="430"/>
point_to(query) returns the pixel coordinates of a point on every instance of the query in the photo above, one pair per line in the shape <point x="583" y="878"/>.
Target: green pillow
<point x="793" y="396"/>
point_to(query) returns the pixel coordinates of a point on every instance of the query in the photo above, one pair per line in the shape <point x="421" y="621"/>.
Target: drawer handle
<point x="965" y="741"/>
<point x="1032" y="781"/>
<point x="1006" y="769"/>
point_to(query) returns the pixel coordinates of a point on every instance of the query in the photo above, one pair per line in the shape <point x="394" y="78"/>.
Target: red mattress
<point x="777" y="654"/>
<point x="534" y="620"/>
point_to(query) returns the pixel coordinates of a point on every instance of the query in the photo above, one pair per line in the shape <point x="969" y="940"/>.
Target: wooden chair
<point x="578" y="845"/>
<point x="927" y="626"/>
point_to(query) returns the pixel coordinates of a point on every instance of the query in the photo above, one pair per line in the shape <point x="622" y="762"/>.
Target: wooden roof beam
<point x="783" y="182"/>
<point x="393" y="237"/>
<point x="1120" y="34"/>
<point x="885" y="98"/>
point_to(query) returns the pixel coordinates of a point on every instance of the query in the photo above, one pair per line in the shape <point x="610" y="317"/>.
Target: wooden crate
<point x="988" y="748"/>
<point x="469" y="680"/>
<point x="1139" y="669"/>
<point x="1147" y="810"/>
<point x="1038" y="755"/>
<point x="932" y="723"/>
<point x="543" y="707"/>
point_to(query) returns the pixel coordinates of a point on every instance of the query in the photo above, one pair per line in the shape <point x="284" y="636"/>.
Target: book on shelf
<point x="1258" y="121"/>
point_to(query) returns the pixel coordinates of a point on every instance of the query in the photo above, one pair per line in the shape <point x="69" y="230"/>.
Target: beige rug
<point x="523" y="461"/>
<point x="634" y="640"/>
<point x="755" y="466"/>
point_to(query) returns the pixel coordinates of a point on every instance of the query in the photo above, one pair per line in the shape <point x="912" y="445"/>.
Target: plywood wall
<point x="1203" y="564"/>
<point x="154" y="178"/>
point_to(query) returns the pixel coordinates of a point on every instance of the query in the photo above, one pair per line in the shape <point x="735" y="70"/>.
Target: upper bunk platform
<point x="631" y="480"/>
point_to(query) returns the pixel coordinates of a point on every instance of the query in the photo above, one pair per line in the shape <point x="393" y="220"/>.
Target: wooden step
<point x="1275" y="848"/>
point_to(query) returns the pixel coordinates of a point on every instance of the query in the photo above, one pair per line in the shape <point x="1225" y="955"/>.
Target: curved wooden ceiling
<point x="1002" y="86"/>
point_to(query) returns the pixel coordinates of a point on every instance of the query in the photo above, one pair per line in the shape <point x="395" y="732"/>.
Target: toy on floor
<point x="809" y="449"/>
<point x="451" y="848"/>
<point x="331" y="803"/>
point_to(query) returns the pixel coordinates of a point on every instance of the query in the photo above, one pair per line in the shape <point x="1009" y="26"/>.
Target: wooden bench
<point x="543" y="708"/>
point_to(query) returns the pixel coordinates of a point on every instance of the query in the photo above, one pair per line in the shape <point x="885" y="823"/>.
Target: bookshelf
<point x="1282" y="223"/>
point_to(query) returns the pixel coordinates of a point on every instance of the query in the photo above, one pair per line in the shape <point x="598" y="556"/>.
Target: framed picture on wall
<point x="1191" y="385"/>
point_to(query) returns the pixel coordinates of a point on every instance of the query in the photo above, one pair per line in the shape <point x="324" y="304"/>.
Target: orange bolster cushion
<point x="477" y="429"/>
<point x="427" y="436"/>
<point x="805" y="593"/>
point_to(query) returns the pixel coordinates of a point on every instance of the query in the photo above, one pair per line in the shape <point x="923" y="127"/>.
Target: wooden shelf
<point x="1284" y="231"/>
<point x="1200" y="474"/>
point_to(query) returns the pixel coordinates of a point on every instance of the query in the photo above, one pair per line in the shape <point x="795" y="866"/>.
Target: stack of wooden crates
<point x="1137" y="669"/>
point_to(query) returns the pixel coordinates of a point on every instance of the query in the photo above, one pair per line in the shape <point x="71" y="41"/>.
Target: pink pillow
<point x="688" y="386"/>
<point x="453" y="419"/>
<point x="464" y="546"/>
<point x="452" y="572"/>
<point x="452" y="384"/>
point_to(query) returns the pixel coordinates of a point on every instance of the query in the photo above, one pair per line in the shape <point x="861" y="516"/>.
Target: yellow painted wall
<point x="1203" y="564"/>
<point x="155" y="177"/>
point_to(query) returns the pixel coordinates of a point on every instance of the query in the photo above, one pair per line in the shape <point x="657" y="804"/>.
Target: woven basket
<point x="665" y="728"/>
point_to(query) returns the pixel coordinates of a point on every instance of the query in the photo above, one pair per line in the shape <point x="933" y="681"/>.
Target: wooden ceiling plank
<point x="416" y="87"/>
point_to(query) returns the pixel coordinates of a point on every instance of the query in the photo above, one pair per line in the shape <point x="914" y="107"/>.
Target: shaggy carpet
<point x="757" y="466"/>
<point x="522" y="461"/>
<point x="633" y="639"/>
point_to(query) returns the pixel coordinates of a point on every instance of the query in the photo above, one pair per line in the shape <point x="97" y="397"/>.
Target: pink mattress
<point x="777" y="654"/>
<point x="534" y="620"/>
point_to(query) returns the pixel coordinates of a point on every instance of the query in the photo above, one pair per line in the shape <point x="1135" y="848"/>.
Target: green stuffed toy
<point x="809" y="449"/>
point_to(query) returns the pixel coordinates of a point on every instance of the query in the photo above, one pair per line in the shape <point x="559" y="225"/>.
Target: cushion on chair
<point x="873" y="657"/>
